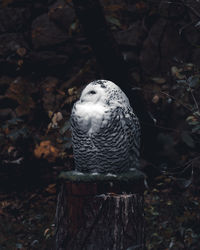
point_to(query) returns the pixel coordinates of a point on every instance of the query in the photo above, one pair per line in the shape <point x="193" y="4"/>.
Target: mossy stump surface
<point x="100" y="211"/>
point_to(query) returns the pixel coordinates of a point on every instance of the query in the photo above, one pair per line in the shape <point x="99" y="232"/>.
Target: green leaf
<point x="192" y="120"/>
<point x="196" y="129"/>
<point x="14" y="135"/>
<point x="12" y="122"/>
<point x="194" y="81"/>
<point x="187" y="139"/>
<point x="113" y="20"/>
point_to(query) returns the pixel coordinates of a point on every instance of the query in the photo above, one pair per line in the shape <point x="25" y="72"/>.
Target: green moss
<point x="76" y="176"/>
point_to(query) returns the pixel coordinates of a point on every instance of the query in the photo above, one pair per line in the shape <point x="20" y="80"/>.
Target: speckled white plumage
<point x="105" y="131"/>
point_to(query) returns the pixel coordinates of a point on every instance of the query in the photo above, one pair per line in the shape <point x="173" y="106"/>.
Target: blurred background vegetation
<point x="46" y="60"/>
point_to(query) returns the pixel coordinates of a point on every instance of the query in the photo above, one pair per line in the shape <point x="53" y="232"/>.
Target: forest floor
<point x="172" y="217"/>
<point x="27" y="218"/>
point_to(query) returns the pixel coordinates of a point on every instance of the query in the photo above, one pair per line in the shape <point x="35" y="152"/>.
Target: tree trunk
<point x="100" y="214"/>
<point x="102" y="41"/>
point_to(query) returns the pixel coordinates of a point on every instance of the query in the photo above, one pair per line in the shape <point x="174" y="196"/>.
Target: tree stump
<point x="96" y="211"/>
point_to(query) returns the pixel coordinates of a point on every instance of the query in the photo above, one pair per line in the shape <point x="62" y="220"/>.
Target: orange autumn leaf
<point x="47" y="151"/>
<point x="21" y="52"/>
<point x="140" y="5"/>
<point x="20" y="63"/>
<point x="51" y="188"/>
<point x="6" y="2"/>
<point x="114" y="7"/>
<point x="36" y="32"/>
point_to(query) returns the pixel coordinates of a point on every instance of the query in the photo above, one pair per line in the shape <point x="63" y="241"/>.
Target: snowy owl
<point x="105" y="130"/>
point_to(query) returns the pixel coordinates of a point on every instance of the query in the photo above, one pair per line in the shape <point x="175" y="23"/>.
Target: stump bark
<point x="100" y="212"/>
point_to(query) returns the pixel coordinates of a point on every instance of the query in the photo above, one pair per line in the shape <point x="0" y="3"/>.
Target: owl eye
<point x="92" y="92"/>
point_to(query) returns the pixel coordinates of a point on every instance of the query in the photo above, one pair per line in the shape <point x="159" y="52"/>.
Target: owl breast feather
<point x="90" y="117"/>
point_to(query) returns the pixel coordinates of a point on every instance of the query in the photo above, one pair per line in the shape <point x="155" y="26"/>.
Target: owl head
<point x="93" y="94"/>
<point x="103" y="92"/>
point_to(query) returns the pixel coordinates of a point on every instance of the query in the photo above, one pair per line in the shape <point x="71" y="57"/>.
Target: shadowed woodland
<point x="49" y="50"/>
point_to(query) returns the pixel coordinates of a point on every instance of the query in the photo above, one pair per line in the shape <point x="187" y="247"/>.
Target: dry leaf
<point x="51" y="188"/>
<point x="46" y="231"/>
<point x="61" y="92"/>
<point x="189" y="66"/>
<point x="6" y="2"/>
<point x="21" y="52"/>
<point x="20" y="62"/>
<point x="176" y="72"/>
<point x="114" y="7"/>
<point x="159" y="80"/>
<point x="55" y="119"/>
<point x="140" y="5"/>
<point x="72" y="91"/>
<point x="50" y="113"/>
<point x="47" y="151"/>
<point x="155" y="99"/>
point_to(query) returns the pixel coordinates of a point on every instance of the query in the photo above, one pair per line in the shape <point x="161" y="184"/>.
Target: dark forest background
<point x="46" y="59"/>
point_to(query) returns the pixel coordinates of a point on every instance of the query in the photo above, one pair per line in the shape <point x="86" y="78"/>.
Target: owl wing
<point x="124" y="128"/>
<point x="133" y="133"/>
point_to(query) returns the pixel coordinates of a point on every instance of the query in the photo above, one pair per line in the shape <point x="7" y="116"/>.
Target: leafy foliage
<point x="37" y="96"/>
<point x="172" y="216"/>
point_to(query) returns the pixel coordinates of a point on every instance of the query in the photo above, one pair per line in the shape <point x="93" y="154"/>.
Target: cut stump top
<point x="79" y="183"/>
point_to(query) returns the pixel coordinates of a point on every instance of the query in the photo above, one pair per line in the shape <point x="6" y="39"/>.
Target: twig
<point x="176" y="100"/>
<point x="194" y="99"/>
<point x="192" y="9"/>
<point x="185" y="27"/>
